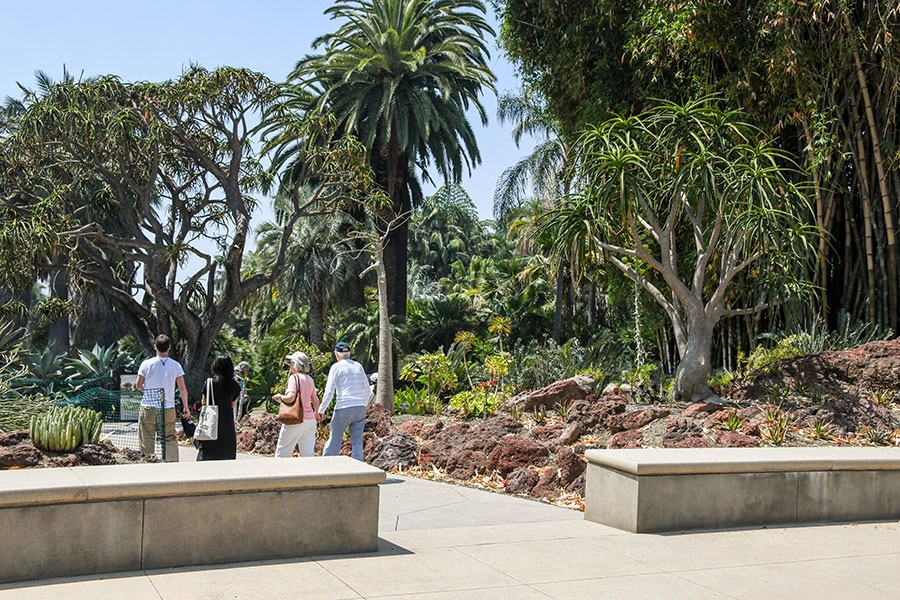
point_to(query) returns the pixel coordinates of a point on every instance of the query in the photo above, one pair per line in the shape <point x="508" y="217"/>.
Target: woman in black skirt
<point x="225" y="391"/>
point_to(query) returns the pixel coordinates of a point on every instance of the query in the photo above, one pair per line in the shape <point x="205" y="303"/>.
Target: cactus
<point x="64" y="429"/>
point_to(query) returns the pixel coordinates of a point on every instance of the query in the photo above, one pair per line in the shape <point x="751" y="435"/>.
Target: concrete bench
<point x="85" y="520"/>
<point x="652" y="490"/>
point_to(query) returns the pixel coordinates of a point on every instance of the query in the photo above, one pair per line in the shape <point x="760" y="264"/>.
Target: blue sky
<point x="156" y="40"/>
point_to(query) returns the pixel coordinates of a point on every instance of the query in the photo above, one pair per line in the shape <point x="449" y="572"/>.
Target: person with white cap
<point x="302" y="434"/>
<point x="241" y="371"/>
<point x="347" y="380"/>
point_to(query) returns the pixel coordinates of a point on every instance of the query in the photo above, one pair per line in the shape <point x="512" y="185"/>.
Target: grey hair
<point x="302" y="363"/>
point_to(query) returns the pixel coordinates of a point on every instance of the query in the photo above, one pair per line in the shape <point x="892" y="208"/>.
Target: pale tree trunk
<point x="692" y="375"/>
<point x="558" y="312"/>
<point x="384" y="394"/>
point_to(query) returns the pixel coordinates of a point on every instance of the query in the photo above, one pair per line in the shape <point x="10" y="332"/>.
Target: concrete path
<point x="439" y="541"/>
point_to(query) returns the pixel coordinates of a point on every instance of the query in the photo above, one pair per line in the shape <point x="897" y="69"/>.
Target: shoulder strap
<point x="296" y="394"/>
<point x="209" y="391"/>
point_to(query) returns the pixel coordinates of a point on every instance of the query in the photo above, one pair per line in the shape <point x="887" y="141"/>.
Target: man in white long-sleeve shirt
<point x="348" y="381"/>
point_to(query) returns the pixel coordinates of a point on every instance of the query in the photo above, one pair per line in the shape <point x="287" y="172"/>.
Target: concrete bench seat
<point x="671" y="489"/>
<point x="85" y="520"/>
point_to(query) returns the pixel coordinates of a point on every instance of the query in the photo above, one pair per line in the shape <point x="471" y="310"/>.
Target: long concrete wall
<point x="654" y="490"/>
<point x="85" y="520"/>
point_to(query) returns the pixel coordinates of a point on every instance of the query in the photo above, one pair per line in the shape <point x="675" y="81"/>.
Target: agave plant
<point x="45" y="364"/>
<point x="95" y="362"/>
<point x="10" y="338"/>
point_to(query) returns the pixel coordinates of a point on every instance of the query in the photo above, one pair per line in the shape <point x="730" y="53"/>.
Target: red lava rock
<point x="14" y="438"/>
<point x="413" y="428"/>
<point x="463" y="465"/>
<point x="568" y="436"/>
<point x="570" y="465"/>
<point x="513" y="452"/>
<point x="857" y="372"/>
<point x="478" y="436"/>
<point x="545" y="433"/>
<point x="267" y="428"/>
<point x="700" y="409"/>
<point x="430" y="431"/>
<point x="635" y="419"/>
<point x="444" y="444"/>
<point x="246" y="440"/>
<point x="731" y="439"/>
<point x="577" y="486"/>
<point x="548" y="484"/>
<point x="96" y="454"/>
<point x="66" y="460"/>
<point x="559" y="392"/>
<point x="378" y="420"/>
<point x="24" y="455"/>
<point x="716" y="419"/>
<point x="627" y="439"/>
<point x="689" y="442"/>
<point x="593" y="414"/>
<point x="679" y="429"/>
<point x="521" y="481"/>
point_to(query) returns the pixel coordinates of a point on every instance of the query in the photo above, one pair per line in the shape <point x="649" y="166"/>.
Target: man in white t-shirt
<point x="347" y="380"/>
<point x="155" y="375"/>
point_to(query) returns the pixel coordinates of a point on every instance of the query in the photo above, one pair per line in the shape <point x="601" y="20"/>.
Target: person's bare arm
<point x="186" y="411"/>
<point x="139" y="384"/>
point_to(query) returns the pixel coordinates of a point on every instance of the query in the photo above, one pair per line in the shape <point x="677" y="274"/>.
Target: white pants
<point x="303" y="434"/>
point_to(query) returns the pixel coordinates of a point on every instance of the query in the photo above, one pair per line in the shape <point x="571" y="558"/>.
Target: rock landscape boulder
<point x="396" y="451"/>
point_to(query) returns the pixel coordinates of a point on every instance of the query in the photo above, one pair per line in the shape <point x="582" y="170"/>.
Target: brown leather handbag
<point x="291" y="414"/>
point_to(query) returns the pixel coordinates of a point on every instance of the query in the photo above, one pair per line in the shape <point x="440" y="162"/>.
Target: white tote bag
<point x="208" y="427"/>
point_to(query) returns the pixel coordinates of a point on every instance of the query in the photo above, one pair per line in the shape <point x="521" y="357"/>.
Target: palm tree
<point x="319" y="265"/>
<point x="445" y="229"/>
<point x="400" y="75"/>
<point x="547" y="170"/>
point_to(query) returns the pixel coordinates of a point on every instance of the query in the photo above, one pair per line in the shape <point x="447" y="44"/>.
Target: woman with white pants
<point x="302" y="434"/>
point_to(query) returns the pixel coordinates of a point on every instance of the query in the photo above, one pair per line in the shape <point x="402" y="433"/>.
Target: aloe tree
<point x="167" y="165"/>
<point x="695" y="198"/>
<point x="400" y="75"/>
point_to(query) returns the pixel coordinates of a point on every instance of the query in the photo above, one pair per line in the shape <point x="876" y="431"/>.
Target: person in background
<point x="348" y="381"/>
<point x="155" y="375"/>
<point x="225" y="391"/>
<point x="241" y="371"/>
<point x="373" y="387"/>
<point x="302" y="434"/>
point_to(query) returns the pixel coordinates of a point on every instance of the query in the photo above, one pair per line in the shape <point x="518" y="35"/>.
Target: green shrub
<point x="410" y="401"/>
<point x="478" y="402"/>
<point x="762" y="359"/>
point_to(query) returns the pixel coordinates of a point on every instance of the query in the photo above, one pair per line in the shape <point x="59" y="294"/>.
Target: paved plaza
<point x="440" y="541"/>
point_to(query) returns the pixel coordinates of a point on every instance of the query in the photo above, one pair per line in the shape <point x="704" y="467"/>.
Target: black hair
<point x="222" y="367"/>
<point x="222" y="372"/>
